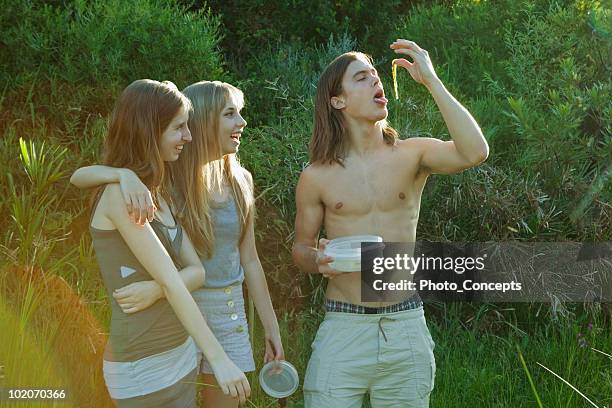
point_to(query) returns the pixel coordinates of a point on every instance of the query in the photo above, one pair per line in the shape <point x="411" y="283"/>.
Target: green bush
<point x="79" y="54"/>
<point x="252" y="24"/>
<point x="110" y="41"/>
<point x="488" y="203"/>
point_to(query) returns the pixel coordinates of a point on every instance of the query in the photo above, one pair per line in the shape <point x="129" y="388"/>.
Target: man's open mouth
<point x="379" y="97"/>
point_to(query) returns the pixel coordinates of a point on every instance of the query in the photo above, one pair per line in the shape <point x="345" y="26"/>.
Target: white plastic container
<point x="279" y="379"/>
<point x="346" y="251"/>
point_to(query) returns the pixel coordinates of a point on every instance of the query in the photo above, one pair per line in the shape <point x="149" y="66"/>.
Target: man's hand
<point x="324" y="260"/>
<point x="421" y="69"/>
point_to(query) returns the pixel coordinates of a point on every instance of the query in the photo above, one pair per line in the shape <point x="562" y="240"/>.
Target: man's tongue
<point x="381" y="100"/>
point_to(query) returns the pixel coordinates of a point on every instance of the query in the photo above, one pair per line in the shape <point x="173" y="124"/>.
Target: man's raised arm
<point x="469" y="146"/>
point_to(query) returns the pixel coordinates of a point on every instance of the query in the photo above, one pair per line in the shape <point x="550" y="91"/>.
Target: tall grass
<point x="20" y="351"/>
<point x="63" y="339"/>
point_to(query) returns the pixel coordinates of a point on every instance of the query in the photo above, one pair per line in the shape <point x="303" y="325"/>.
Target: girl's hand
<point x="137" y="296"/>
<point x="274" y="347"/>
<point x="231" y="379"/>
<point x="421" y="69"/>
<point x="137" y="197"/>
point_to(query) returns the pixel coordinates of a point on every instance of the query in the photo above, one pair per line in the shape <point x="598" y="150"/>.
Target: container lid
<point x="279" y="379"/>
<point x="350" y="247"/>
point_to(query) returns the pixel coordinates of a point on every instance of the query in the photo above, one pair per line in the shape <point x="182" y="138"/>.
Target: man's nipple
<point x="339" y="205"/>
<point x="402" y="196"/>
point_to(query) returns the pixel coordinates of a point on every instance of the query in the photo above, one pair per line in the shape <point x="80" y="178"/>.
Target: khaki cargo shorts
<point x="390" y="356"/>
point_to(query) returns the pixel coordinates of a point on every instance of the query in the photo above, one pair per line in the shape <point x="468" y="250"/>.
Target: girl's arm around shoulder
<point x="136" y="196"/>
<point x="93" y="176"/>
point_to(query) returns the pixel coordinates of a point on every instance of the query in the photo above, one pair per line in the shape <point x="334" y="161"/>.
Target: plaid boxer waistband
<point x="413" y="302"/>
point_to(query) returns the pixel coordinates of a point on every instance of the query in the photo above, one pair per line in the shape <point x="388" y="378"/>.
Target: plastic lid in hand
<point x="346" y="251"/>
<point x="279" y="379"/>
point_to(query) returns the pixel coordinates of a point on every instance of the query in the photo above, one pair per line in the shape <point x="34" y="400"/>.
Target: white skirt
<point x="128" y="379"/>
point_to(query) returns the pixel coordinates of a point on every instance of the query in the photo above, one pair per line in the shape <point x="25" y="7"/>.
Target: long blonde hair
<point x="194" y="176"/>
<point x="330" y="136"/>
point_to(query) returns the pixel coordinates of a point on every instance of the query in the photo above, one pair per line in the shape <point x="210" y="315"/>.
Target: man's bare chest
<point x="373" y="189"/>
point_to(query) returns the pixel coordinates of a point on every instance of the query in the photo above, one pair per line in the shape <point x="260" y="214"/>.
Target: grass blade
<point x="533" y="388"/>
<point x="599" y="351"/>
<point x="570" y="385"/>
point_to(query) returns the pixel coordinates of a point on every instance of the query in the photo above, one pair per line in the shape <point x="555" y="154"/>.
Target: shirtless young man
<point x="364" y="180"/>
